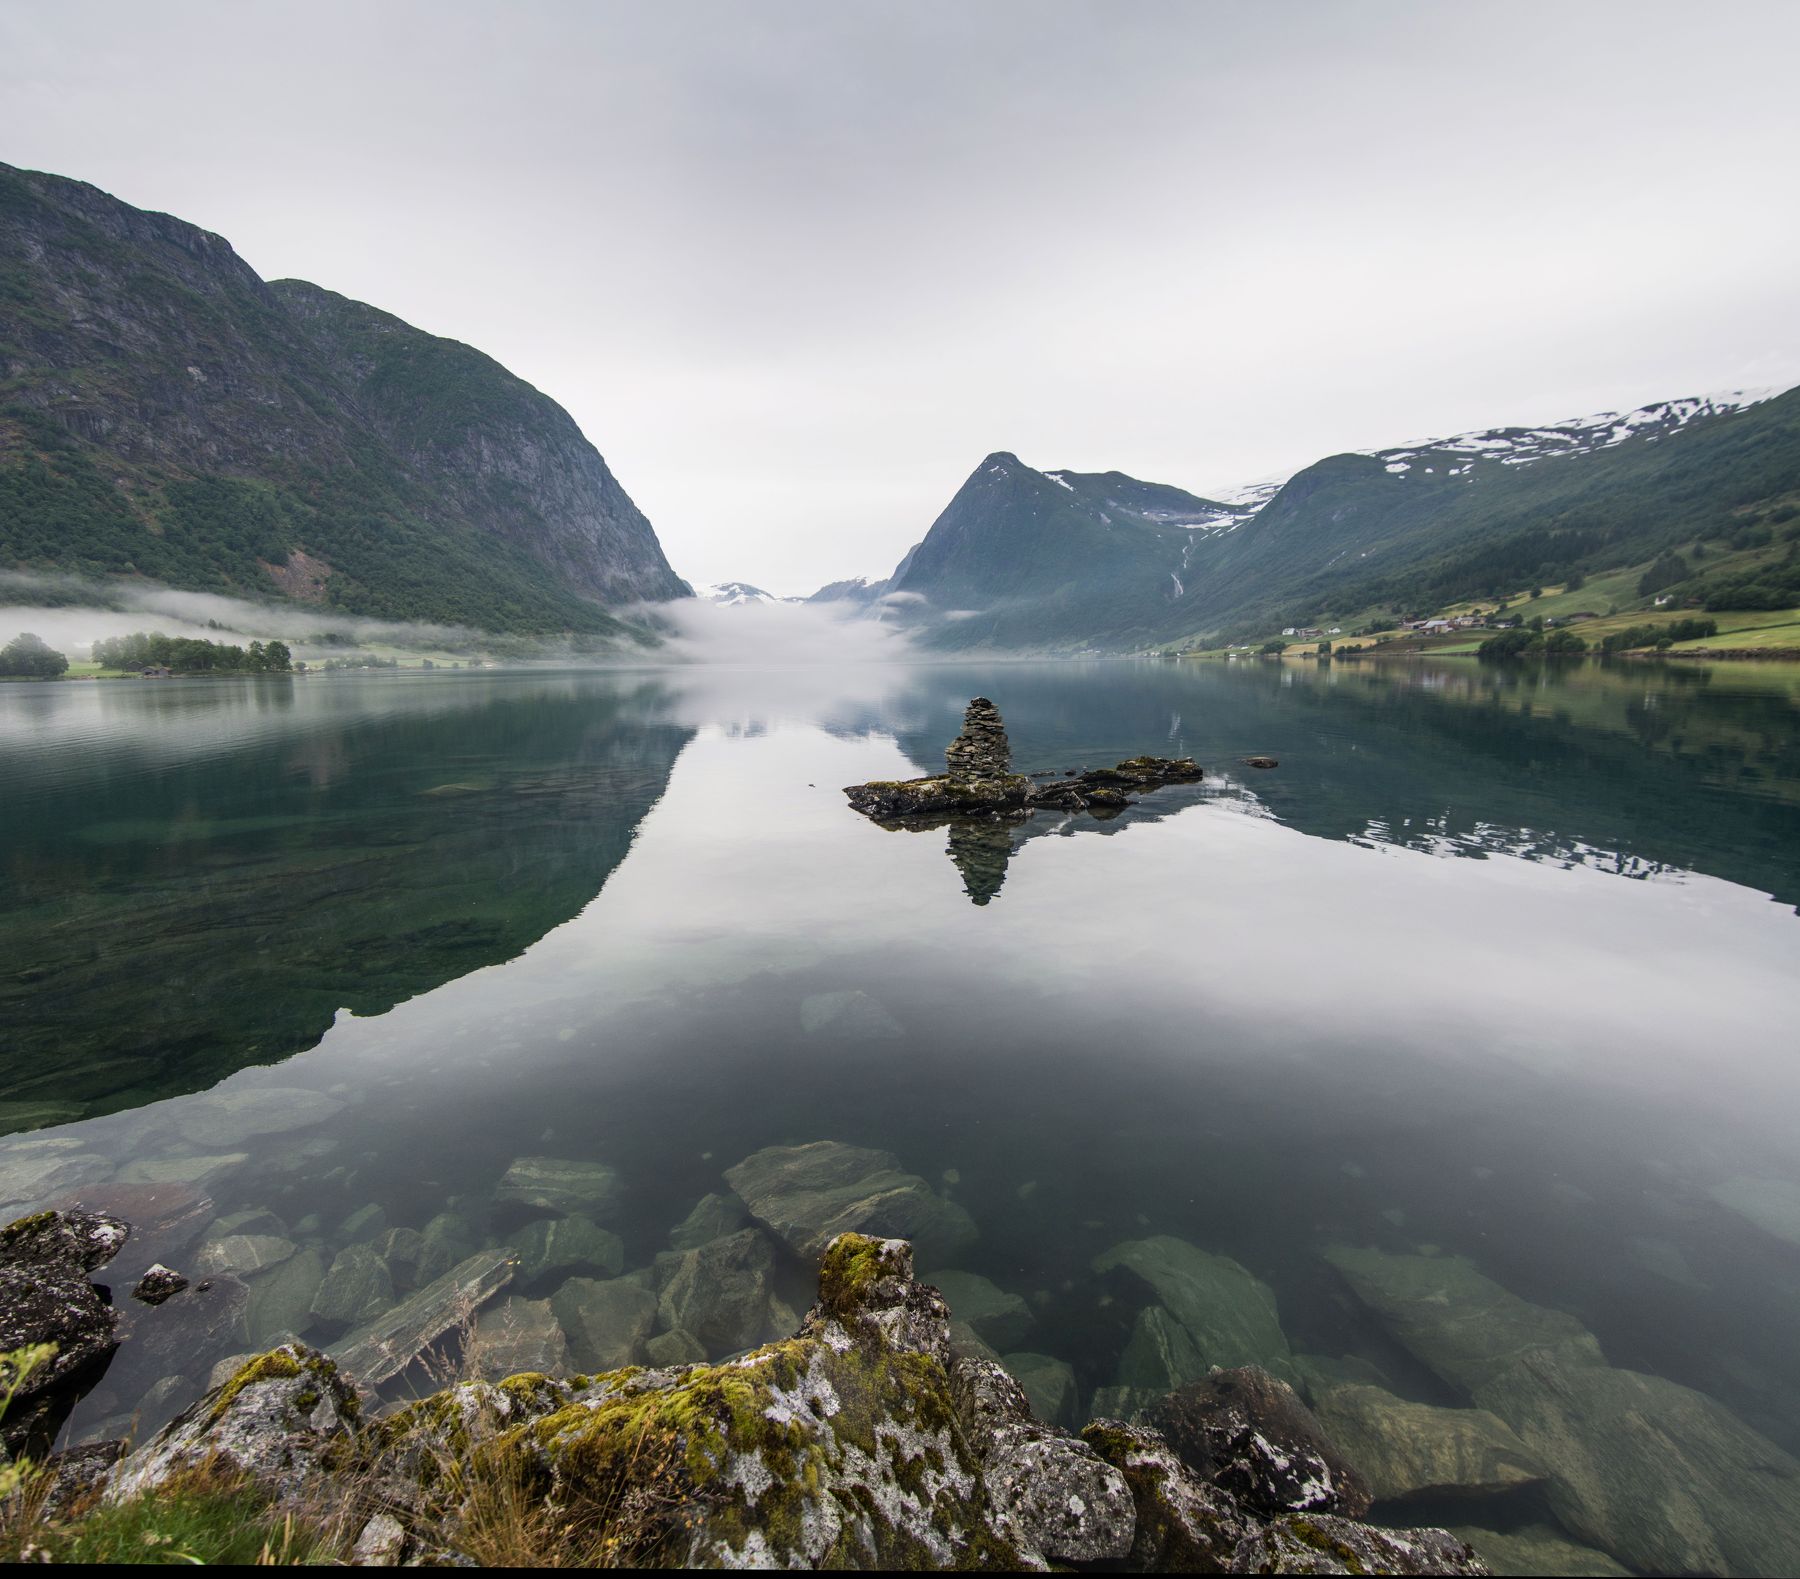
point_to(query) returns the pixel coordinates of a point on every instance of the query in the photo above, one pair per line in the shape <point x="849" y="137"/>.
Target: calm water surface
<point x="1496" y="964"/>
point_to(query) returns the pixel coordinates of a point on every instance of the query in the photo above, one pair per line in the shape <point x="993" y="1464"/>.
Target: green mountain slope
<point x="1065" y="560"/>
<point x="166" y="413"/>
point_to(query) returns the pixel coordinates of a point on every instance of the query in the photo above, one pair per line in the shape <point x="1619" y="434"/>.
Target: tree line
<point x="192" y="655"/>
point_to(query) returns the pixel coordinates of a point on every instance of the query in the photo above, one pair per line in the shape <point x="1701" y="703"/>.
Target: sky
<point x="796" y="268"/>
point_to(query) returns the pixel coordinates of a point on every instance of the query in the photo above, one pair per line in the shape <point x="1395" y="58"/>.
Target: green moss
<point x="281" y="1364"/>
<point x="26" y="1227"/>
<point x="852" y="1263"/>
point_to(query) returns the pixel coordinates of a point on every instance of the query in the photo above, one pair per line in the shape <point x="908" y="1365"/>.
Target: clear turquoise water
<point x="1500" y="963"/>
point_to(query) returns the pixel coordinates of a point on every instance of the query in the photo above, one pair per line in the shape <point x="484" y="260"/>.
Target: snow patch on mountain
<point x="734" y="594"/>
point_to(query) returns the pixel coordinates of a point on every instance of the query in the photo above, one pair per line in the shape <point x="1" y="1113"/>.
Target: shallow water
<point x="1497" y="963"/>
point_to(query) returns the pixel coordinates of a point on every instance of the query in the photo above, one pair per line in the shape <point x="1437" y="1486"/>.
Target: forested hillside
<point x="165" y="413"/>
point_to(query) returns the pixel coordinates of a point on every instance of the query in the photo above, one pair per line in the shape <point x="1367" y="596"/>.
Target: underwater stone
<point x="1539" y="1549"/>
<point x="228" y="1118"/>
<point x="998" y="1317"/>
<point x="1321" y="1543"/>
<point x="387" y="1346"/>
<point x="366" y="1222"/>
<point x="606" y="1320"/>
<point x="1659" y="1475"/>
<point x="183" y="1170"/>
<point x="852" y="1014"/>
<point x="1159" y="1356"/>
<point x="1465" y="1327"/>
<point x="720" y="1293"/>
<point x="1228" y="1312"/>
<point x="403" y="1249"/>
<point x="1049" y="1384"/>
<point x="28" y="1177"/>
<point x="517" y="1335"/>
<point x="715" y="1217"/>
<point x="1773" y="1205"/>
<point x="256" y="1220"/>
<point x="674" y="1348"/>
<point x="1408" y="1449"/>
<point x="561" y="1184"/>
<point x="356" y="1289"/>
<point x="808" y="1195"/>
<point x="446" y="1241"/>
<point x="243" y="1254"/>
<point x="281" y="1303"/>
<point x="560" y="1244"/>
<point x="1249" y="1434"/>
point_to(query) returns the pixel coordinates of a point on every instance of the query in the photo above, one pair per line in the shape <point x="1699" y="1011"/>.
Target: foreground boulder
<point x="276" y="1420"/>
<point x="863" y="1441"/>
<point x="46" y="1298"/>
<point x="1248" y="1432"/>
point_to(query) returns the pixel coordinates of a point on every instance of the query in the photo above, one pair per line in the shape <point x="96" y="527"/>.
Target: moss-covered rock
<point x="277" y="1419"/>
<point x="1324" y="1544"/>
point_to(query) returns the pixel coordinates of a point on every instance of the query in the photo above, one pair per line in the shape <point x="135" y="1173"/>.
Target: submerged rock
<point x="281" y="1302"/>
<point x="1319" y="1543"/>
<point x="853" y="1014"/>
<point x="385" y="1348"/>
<point x="1228" y="1312"/>
<point x="229" y="1118"/>
<point x="1049" y="1384"/>
<point x="607" y="1320"/>
<point x="808" y="1195"/>
<point x="517" y="1335"/>
<point x="720" y="1293"/>
<point x="32" y="1172"/>
<point x="183" y="1170"/>
<point x="243" y="1254"/>
<point x="561" y="1244"/>
<point x="1407" y="1449"/>
<point x="1160" y="1355"/>
<point x="1657" y="1474"/>
<point x="715" y="1217"/>
<point x="46" y="1298"/>
<point x="561" y="1184"/>
<point x="358" y="1287"/>
<point x="1539" y="1549"/>
<point x="1772" y="1204"/>
<point x="998" y="1317"/>
<point x="1250" y="1434"/>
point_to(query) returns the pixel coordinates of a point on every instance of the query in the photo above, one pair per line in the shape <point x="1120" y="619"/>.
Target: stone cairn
<point x="981" y="751"/>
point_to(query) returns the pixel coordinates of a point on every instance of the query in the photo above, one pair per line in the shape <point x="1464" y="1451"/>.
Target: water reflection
<point x="1280" y="1019"/>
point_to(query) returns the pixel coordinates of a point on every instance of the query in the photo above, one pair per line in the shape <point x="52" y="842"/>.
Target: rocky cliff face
<point x="167" y="413"/>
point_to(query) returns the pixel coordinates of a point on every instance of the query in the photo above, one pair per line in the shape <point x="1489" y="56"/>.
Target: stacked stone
<point x="981" y="750"/>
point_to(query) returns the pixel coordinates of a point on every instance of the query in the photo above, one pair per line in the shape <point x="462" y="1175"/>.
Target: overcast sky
<point x="795" y="268"/>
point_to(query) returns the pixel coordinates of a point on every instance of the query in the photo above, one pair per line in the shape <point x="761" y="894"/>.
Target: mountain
<point x="1023" y="558"/>
<point x="1064" y="560"/>
<point x="166" y="413"/>
<point x="859" y="589"/>
<point x="734" y="594"/>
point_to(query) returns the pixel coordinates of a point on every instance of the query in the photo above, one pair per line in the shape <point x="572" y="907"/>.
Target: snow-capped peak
<point x="733" y="593"/>
<point x="1572" y="436"/>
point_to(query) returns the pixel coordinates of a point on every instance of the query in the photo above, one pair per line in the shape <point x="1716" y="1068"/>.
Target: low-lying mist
<point x="71" y="613"/>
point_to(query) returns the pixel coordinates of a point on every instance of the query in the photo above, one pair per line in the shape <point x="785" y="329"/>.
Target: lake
<point x="1467" y="1031"/>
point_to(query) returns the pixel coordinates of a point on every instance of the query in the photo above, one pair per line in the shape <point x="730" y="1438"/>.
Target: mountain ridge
<point x="165" y="413"/>
<point x="1118" y="562"/>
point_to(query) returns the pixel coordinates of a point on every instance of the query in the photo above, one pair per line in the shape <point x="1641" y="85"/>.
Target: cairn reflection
<point x="985" y="804"/>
